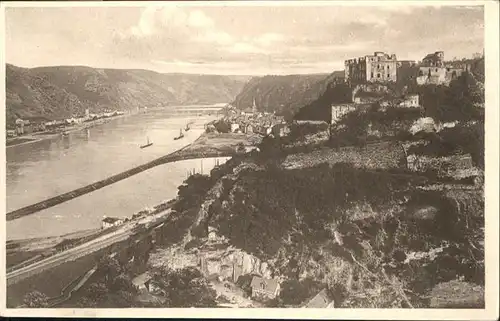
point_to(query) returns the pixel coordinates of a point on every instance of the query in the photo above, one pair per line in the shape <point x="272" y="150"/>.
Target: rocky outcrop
<point x="231" y="263"/>
<point x="214" y="257"/>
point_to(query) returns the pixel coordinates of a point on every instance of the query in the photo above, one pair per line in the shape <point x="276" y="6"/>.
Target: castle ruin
<point x="379" y="67"/>
<point x="384" y="68"/>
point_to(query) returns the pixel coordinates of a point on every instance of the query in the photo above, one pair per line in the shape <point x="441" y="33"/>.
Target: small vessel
<point x="147" y="144"/>
<point x="180" y="135"/>
<point x="187" y="128"/>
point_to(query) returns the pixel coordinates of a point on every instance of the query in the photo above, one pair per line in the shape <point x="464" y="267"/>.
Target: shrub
<point x="184" y="288"/>
<point x="222" y="127"/>
<point x="295" y="292"/>
<point x="36" y="299"/>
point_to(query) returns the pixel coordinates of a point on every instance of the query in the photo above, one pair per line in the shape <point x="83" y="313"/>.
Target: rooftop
<point x="111" y="219"/>
<point x="141" y="279"/>
<point x="269" y="285"/>
<point x="320" y="300"/>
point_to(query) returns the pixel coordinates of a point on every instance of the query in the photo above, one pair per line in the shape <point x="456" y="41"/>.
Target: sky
<point x="242" y="40"/>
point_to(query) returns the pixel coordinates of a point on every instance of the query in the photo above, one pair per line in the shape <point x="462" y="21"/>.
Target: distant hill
<point x="59" y="92"/>
<point x="283" y="94"/>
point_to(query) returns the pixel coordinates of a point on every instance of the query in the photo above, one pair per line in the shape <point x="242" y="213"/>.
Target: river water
<point x="47" y="168"/>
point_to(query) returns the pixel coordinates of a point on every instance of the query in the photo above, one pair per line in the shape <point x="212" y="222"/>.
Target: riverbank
<point x="36" y="137"/>
<point x="24" y="250"/>
<point x="223" y="143"/>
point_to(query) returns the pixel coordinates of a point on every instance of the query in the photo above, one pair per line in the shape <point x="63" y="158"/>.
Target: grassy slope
<point x="58" y="92"/>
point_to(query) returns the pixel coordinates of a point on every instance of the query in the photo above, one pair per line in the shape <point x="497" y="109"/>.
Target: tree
<point x="295" y="292"/>
<point x="109" y="267"/>
<point x="222" y="127"/>
<point x="122" y="283"/>
<point x="457" y="102"/>
<point x="240" y="148"/>
<point x="97" y="292"/>
<point x="36" y="299"/>
<point x="86" y="302"/>
<point x="120" y="299"/>
<point x="184" y="288"/>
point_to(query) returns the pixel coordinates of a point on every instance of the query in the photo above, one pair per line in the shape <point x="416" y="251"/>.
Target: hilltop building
<point x="379" y="67"/>
<point x="433" y="70"/>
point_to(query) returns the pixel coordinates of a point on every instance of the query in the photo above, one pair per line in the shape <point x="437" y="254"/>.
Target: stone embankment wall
<point x="457" y="166"/>
<point x="385" y="155"/>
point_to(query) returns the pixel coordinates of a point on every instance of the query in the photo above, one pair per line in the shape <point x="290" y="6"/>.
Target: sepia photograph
<point x="264" y="155"/>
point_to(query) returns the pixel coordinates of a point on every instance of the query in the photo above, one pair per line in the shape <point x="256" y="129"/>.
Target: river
<point x="47" y="168"/>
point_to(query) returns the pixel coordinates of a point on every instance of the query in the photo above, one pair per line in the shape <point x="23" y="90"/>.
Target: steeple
<point x="254" y="106"/>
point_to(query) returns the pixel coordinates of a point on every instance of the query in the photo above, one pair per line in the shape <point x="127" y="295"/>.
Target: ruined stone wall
<point x="355" y="69"/>
<point x="339" y="110"/>
<point x="381" y="70"/>
<point x="437" y="75"/>
<point x="431" y="75"/>
<point x="407" y="72"/>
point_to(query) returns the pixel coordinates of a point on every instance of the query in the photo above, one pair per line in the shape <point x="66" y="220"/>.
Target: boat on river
<point x="147" y="144"/>
<point x="187" y="128"/>
<point x="181" y="135"/>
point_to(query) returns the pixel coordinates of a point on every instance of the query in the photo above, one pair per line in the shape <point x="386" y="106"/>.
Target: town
<point x="38" y="125"/>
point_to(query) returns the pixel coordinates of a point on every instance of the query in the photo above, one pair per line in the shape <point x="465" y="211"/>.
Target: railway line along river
<point x="51" y="167"/>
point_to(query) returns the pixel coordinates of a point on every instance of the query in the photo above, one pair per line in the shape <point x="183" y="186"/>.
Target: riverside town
<point x="237" y="167"/>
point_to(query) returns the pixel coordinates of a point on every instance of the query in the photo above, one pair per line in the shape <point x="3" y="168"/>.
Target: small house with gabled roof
<point x="264" y="288"/>
<point x="320" y="300"/>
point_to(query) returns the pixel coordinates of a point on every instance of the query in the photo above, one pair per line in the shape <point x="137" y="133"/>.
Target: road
<point x="123" y="233"/>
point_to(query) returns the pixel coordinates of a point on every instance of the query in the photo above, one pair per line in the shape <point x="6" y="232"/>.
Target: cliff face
<point x="283" y="94"/>
<point x="59" y="92"/>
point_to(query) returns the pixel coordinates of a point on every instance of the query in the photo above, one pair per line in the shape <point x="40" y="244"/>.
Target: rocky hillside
<point x="373" y="238"/>
<point x="58" y="92"/>
<point x="283" y="94"/>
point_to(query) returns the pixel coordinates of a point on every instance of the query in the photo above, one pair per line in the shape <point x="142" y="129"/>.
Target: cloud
<point x="238" y="39"/>
<point x="269" y="39"/>
<point x="243" y="47"/>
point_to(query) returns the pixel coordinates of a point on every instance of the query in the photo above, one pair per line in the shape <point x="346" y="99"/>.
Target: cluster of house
<point x="250" y="121"/>
<point x="382" y="68"/>
<point x="30" y="125"/>
<point x="260" y="289"/>
<point x="27" y="126"/>
<point x="339" y="110"/>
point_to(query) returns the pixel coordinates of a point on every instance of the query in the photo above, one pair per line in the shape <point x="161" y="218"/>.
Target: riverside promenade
<point x="182" y="154"/>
